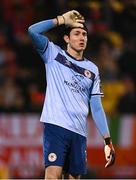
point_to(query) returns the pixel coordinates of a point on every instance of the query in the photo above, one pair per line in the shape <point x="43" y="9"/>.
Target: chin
<point x="81" y="49"/>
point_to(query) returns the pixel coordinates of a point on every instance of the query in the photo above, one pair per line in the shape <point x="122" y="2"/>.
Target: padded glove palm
<point x="71" y="18"/>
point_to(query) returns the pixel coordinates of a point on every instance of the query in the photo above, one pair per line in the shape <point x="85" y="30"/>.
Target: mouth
<point x="82" y="44"/>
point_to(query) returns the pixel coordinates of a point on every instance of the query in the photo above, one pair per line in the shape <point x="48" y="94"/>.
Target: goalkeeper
<point x="73" y="86"/>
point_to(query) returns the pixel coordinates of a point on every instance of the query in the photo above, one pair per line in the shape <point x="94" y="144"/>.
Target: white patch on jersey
<point x="52" y="157"/>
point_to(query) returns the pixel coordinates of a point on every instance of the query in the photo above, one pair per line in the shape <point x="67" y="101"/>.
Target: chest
<point x="76" y="77"/>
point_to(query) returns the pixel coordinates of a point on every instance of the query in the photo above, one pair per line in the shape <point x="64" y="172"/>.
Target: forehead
<point x="78" y="30"/>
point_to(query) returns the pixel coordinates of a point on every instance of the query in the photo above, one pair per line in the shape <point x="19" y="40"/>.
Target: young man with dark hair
<point x="73" y="86"/>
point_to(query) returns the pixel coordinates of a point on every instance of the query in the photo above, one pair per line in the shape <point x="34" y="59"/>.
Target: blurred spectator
<point x="127" y="60"/>
<point x="18" y="15"/>
<point x="97" y="17"/>
<point x="3" y="46"/>
<point x="7" y="54"/>
<point x="36" y="97"/>
<point x="126" y="22"/>
<point x="104" y="58"/>
<point x="12" y="99"/>
<point x="127" y="102"/>
<point x="115" y="8"/>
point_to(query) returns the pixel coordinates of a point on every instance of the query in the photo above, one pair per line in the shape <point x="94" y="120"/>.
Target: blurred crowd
<point x="111" y="45"/>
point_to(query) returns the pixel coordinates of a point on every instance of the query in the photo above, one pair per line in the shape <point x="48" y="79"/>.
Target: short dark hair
<point x="68" y="29"/>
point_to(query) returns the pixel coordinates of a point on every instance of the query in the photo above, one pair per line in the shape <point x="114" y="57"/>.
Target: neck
<point x="77" y="55"/>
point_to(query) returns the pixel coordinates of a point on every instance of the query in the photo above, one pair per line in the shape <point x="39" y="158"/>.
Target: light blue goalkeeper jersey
<point x="70" y="85"/>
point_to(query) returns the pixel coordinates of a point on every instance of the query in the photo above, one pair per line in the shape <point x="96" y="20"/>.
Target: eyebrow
<point x="80" y="31"/>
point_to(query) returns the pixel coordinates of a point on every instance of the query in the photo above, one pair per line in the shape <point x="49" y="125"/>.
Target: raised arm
<point x="40" y="41"/>
<point x="36" y="31"/>
<point x="100" y="120"/>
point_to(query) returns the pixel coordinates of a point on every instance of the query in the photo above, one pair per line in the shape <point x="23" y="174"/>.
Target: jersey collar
<point x="74" y="57"/>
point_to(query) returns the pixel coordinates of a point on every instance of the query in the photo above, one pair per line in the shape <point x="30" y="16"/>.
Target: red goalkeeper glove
<point x="109" y="152"/>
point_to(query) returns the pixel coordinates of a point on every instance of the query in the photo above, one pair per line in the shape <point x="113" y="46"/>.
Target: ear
<point x="66" y="38"/>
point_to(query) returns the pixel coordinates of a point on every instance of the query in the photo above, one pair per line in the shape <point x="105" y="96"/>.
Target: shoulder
<point x="53" y="45"/>
<point x="50" y="52"/>
<point x="51" y="49"/>
<point x="92" y="66"/>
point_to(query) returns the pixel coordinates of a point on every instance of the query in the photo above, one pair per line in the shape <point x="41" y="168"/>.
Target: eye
<point x="76" y="33"/>
<point x="85" y="34"/>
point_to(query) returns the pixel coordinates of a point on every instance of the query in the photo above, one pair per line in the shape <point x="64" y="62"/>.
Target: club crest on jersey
<point x="52" y="157"/>
<point x="87" y="73"/>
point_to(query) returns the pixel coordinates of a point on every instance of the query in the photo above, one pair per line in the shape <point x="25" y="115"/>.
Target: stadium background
<point x="112" y="43"/>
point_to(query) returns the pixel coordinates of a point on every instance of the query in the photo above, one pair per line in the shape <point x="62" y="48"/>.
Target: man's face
<point x="77" y="40"/>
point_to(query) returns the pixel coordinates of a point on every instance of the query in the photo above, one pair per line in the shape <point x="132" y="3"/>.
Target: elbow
<point x="30" y="30"/>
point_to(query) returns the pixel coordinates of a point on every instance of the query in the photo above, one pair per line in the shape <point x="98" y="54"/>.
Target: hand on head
<point x="71" y="18"/>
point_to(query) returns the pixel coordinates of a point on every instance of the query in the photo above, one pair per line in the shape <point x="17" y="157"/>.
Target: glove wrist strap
<point x="107" y="141"/>
<point x="60" y="20"/>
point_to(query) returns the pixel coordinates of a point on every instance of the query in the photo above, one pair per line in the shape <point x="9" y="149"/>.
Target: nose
<point x="82" y="37"/>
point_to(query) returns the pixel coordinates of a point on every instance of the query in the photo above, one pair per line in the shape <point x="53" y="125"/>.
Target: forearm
<point x="36" y="31"/>
<point x="99" y="116"/>
<point x="43" y="26"/>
